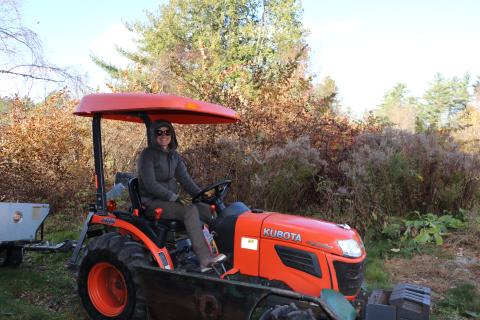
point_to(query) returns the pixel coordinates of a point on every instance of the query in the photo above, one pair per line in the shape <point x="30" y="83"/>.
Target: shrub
<point x="279" y="158"/>
<point x="273" y="142"/>
<point x="122" y="143"/>
<point x="226" y="158"/>
<point x="47" y="152"/>
<point x="45" y="156"/>
<point x="421" y="229"/>
<point x="281" y="178"/>
<point x="287" y="176"/>
<point x="396" y="173"/>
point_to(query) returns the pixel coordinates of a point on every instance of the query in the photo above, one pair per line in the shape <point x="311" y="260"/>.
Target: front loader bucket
<point x="181" y="295"/>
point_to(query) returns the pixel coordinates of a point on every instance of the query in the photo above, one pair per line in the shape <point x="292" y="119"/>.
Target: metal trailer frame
<point x="20" y="224"/>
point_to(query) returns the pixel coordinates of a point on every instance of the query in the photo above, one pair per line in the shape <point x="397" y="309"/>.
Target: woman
<point x="159" y="168"/>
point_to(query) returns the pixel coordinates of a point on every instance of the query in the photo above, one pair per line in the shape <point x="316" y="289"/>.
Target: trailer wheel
<point x="3" y="256"/>
<point x="14" y="256"/>
<point x="108" y="284"/>
<point x="287" y="312"/>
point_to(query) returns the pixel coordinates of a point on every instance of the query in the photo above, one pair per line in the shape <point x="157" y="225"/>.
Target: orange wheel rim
<point x="107" y="289"/>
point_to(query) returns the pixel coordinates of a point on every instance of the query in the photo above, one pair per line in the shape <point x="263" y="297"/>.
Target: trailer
<point x="21" y="228"/>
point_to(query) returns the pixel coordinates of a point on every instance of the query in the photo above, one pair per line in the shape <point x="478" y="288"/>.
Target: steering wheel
<point x="220" y="189"/>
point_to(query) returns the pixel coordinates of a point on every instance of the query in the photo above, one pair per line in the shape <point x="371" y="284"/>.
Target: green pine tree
<point x="219" y="50"/>
<point x="442" y="101"/>
<point x="398" y="107"/>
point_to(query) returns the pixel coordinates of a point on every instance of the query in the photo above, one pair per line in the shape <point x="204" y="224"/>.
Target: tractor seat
<point x="171" y="224"/>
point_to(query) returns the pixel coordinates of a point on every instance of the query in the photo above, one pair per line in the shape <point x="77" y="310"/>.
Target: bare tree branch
<point x="26" y="75"/>
<point x="21" y="53"/>
<point x="4" y="34"/>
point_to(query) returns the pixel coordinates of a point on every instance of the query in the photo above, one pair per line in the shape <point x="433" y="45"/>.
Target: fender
<point x="160" y="255"/>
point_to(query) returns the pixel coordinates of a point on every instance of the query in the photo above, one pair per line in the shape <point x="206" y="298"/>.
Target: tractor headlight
<point x="351" y="248"/>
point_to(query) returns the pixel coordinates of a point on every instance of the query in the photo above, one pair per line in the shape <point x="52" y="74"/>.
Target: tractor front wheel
<point x="107" y="282"/>
<point x="287" y="312"/>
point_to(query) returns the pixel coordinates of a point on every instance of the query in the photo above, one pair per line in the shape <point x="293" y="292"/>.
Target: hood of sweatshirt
<point x="153" y="134"/>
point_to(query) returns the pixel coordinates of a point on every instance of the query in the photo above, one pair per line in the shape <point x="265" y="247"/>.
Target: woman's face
<point x="163" y="137"/>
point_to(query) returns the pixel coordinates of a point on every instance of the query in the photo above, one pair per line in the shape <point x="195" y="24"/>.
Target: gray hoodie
<point x="159" y="171"/>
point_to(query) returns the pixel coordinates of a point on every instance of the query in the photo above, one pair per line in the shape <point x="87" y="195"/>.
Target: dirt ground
<point x="457" y="261"/>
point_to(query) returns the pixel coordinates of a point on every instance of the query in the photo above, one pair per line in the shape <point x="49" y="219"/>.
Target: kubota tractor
<point x="279" y="266"/>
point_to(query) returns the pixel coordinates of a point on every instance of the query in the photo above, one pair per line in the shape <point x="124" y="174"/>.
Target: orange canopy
<point x="127" y="106"/>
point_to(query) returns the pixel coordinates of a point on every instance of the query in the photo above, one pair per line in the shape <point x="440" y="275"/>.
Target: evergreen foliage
<point x="442" y="101"/>
<point x="224" y="51"/>
<point x="327" y="91"/>
<point x="439" y="107"/>
<point x="399" y="108"/>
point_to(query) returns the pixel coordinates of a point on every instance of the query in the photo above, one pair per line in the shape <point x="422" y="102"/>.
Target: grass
<point x="376" y="276"/>
<point x="42" y="287"/>
<point x="464" y="299"/>
<point x="460" y="302"/>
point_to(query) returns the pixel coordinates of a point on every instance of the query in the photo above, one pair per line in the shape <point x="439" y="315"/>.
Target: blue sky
<point x="369" y="46"/>
<point x="365" y="46"/>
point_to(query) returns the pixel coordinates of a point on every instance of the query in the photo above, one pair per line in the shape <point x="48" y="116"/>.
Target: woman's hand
<point x="210" y="193"/>
<point x="183" y="201"/>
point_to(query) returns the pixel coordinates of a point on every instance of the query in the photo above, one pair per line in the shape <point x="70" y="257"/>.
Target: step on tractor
<point x="278" y="266"/>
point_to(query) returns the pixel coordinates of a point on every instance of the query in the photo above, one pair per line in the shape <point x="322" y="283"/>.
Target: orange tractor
<point x="278" y="266"/>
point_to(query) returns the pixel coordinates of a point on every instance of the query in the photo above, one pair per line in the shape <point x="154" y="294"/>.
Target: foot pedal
<point x="219" y="269"/>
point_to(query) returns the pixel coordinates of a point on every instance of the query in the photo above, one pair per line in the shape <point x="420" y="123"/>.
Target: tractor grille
<point x="349" y="276"/>
<point x="300" y="260"/>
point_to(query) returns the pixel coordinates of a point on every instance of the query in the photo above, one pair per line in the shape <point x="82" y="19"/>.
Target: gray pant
<point x="190" y="215"/>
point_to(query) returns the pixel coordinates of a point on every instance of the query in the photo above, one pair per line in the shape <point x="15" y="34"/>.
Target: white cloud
<point x="104" y="44"/>
<point x="104" y="47"/>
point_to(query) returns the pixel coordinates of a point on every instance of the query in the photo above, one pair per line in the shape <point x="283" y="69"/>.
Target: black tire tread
<point x="3" y="256"/>
<point x="287" y="312"/>
<point x="14" y="256"/>
<point x="117" y="249"/>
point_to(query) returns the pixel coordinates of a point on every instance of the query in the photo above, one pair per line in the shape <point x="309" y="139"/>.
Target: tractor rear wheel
<point x="108" y="284"/>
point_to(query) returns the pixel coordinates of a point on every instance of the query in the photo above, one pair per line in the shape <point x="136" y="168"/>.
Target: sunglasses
<point x="163" y="133"/>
